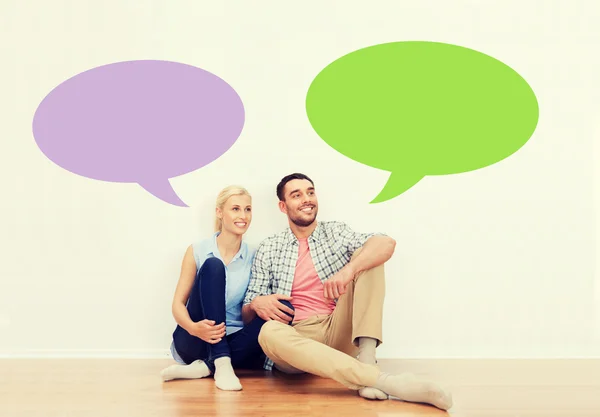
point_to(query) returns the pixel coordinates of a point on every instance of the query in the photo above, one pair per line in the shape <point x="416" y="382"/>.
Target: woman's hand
<point x="208" y="331"/>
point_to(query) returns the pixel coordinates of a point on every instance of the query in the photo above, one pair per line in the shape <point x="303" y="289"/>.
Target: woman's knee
<point x="211" y="277"/>
<point x="213" y="266"/>
<point x="289" y="305"/>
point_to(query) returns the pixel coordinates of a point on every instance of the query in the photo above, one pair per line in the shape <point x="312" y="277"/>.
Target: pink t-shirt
<point x="307" y="289"/>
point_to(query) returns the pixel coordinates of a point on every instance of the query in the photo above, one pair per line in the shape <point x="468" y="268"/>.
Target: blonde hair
<point x="222" y="199"/>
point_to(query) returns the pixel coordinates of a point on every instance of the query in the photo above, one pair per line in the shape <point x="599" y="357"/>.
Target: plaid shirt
<point x="331" y="246"/>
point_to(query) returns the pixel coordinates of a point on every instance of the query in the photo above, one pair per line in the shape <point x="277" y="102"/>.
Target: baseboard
<point x="465" y="371"/>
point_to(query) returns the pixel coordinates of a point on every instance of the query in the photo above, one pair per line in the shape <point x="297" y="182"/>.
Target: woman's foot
<point x="225" y="378"/>
<point x="194" y="370"/>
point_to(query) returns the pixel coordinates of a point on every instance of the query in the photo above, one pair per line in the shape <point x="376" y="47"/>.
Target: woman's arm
<point x="182" y="292"/>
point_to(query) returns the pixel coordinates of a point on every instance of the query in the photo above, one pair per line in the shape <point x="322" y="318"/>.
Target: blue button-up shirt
<point x="237" y="275"/>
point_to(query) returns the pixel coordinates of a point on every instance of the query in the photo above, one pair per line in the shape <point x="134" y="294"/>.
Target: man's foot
<point x="194" y="370"/>
<point x="408" y="387"/>
<point x="366" y="354"/>
<point x="372" y="393"/>
<point x="225" y="378"/>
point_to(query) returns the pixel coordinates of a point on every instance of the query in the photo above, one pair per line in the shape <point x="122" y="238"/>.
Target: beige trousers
<point x="327" y="345"/>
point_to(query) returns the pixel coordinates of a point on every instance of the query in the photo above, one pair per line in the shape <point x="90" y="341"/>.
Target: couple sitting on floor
<point x="310" y="299"/>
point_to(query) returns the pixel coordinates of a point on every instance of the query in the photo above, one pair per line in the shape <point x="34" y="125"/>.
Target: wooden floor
<point x="132" y="387"/>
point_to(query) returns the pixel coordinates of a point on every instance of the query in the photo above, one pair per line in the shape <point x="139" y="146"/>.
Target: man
<point x="335" y="281"/>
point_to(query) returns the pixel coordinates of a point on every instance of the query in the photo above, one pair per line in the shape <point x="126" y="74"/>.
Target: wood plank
<point x="132" y="387"/>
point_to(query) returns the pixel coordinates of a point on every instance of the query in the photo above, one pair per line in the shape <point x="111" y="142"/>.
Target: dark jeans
<point x="207" y="301"/>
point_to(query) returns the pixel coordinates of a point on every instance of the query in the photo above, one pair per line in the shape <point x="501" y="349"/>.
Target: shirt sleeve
<point x="351" y="240"/>
<point x="259" y="276"/>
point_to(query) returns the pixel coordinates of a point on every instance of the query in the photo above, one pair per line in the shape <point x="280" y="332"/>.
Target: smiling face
<point x="300" y="202"/>
<point x="236" y="214"/>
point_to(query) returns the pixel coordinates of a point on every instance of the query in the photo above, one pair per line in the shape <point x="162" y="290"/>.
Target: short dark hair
<point x="288" y="178"/>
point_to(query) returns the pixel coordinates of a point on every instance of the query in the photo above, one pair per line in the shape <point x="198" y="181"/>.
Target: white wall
<point x="499" y="262"/>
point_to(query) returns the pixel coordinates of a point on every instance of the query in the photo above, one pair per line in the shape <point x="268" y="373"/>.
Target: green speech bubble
<point x="421" y="108"/>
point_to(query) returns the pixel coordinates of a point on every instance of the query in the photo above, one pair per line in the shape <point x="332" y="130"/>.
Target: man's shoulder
<point x="333" y="227"/>
<point x="340" y="230"/>
<point x="332" y="224"/>
<point x="274" y="240"/>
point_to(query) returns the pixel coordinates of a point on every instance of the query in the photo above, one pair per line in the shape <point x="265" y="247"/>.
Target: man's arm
<point x="258" y="300"/>
<point x="375" y="249"/>
<point x="258" y="285"/>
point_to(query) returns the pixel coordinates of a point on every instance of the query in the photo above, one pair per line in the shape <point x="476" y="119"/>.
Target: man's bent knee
<point x="269" y="331"/>
<point x="288" y="369"/>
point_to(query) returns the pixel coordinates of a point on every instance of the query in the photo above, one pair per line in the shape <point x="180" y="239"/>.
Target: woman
<point x="210" y="337"/>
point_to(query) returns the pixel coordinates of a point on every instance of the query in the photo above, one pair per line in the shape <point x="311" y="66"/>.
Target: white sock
<point x="225" y="378"/>
<point x="408" y="388"/>
<point x="194" y="370"/>
<point x="366" y="354"/>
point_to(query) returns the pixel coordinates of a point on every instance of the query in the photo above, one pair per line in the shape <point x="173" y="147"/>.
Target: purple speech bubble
<point x="139" y="122"/>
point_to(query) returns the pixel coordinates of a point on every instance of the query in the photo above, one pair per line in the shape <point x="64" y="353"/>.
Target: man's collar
<point x="314" y="236"/>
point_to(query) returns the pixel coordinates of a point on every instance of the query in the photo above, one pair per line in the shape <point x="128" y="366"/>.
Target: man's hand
<point x="336" y="285"/>
<point x="208" y="331"/>
<point x="268" y="307"/>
